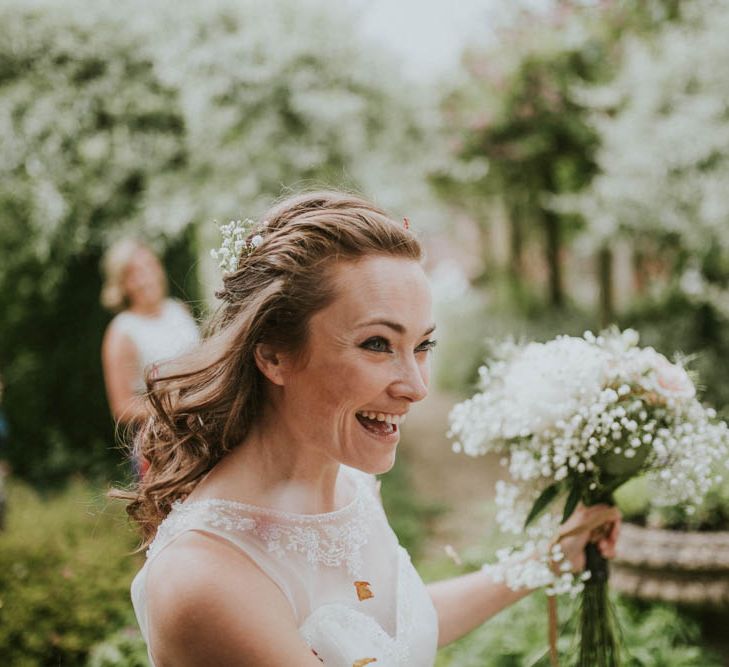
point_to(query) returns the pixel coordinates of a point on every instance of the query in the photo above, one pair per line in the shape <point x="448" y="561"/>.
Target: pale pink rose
<point x="672" y="381"/>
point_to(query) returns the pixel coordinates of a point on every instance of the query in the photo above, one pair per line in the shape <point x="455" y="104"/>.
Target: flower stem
<point x="598" y="624"/>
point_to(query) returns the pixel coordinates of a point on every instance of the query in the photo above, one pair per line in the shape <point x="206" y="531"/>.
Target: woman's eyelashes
<point x="381" y="344"/>
<point x="427" y="346"/>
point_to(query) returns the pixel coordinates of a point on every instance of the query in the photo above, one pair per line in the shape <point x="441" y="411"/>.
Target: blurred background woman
<point x="149" y="327"/>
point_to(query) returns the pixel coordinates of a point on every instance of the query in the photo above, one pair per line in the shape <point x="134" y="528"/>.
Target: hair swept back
<point x="203" y="404"/>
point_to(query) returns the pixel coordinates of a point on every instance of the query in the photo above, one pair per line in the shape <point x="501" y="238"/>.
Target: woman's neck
<point x="271" y="469"/>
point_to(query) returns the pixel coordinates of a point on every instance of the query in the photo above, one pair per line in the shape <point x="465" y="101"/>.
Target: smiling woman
<point x="267" y="541"/>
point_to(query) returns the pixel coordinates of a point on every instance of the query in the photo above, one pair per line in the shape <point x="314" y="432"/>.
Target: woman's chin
<point x="378" y="466"/>
<point x="387" y="466"/>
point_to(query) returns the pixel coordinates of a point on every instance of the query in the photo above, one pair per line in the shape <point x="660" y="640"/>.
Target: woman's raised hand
<point x="599" y="524"/>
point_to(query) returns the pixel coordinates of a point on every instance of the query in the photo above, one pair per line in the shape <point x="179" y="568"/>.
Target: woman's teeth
<point x="383" y="417"/>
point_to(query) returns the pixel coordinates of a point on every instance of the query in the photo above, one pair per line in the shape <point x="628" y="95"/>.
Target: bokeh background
<point x="565" y="162"/>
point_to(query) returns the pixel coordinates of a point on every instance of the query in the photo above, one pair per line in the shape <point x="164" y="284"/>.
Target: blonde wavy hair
<point x="205" y="403"/>
<point x="113" y="267"/>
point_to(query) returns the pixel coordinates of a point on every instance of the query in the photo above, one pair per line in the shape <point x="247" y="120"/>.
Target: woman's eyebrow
<point x="395" y="326"/>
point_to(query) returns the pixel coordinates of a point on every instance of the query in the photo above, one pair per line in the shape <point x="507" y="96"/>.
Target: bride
<point x="267" y="541"/>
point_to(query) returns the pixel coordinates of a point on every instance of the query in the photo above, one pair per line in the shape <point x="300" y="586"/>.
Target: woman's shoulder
<point x="123" y="326"/>
<point x="119" y="334"/>
<point x="201" y="585"/>
<point x="194" y="557"/>
<point x="196" y="569"/>
<point x="120" y="321"/>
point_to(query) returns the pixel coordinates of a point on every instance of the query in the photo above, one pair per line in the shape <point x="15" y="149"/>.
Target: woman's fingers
<point x="606" y="548"/>
<point x="597" y="523"/>
<point x="608" y="544"/>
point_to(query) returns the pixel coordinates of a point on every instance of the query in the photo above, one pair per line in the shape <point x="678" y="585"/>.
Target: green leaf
<point x="572" y="499"/>
<point x="541" y="503"/>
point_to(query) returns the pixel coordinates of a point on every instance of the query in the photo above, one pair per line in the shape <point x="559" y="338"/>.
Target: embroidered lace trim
<point x="331" y="539"/>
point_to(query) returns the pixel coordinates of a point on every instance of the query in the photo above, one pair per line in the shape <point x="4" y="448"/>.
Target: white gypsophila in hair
<point x="236" y="241"/>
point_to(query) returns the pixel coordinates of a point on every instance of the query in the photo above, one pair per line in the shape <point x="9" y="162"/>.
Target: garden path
<point x="462" y="484"/>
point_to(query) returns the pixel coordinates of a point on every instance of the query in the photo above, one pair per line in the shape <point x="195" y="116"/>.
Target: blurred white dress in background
<point x="160" y="337"/>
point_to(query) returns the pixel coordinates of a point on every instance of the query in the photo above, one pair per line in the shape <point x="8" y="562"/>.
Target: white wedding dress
<point x="316" y="560"/>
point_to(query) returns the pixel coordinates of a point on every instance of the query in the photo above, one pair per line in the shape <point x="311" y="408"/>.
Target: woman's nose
<point x="412" y="381"/>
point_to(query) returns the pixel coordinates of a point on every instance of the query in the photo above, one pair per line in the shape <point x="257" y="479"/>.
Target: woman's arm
<point x="465" y="602"/>
<point x="208" y="604"/>
<point x="120" y="363"/>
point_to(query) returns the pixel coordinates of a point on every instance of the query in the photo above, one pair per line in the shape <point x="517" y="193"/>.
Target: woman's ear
<point x="271" y="362"/>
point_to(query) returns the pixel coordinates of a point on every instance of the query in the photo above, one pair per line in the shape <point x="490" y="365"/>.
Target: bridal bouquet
<point x="575" y="418"/>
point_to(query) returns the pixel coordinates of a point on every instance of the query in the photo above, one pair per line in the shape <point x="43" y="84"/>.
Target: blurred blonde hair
<point x="113" y="266"/>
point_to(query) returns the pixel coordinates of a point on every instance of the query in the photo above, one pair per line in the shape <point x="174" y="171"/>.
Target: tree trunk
<point x="516" y="242"/>
<point x="553" y="233"/>
<point x="605" y="278"/>
<point x="640" y="277"/>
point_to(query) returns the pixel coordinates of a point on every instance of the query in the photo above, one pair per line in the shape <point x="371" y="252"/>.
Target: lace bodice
<point x="316" y="560"/>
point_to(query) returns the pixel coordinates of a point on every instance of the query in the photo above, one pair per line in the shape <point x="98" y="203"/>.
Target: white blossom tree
<point x="85" y="125"/>
<point x="664" y="131"/>
<point x="220" y="105"/>
<point x="274" y="96"/>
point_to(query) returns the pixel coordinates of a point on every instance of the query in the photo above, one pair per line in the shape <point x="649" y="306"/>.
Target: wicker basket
<point x="673" y="566"/>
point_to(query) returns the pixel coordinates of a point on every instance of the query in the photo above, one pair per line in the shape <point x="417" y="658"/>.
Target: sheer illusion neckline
<point x="330" y="538"/>
<point x="346" y="510"/>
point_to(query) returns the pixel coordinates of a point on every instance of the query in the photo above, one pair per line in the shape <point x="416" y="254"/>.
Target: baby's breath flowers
<point x="239" y="237"/>
<point x="576" y="418"/>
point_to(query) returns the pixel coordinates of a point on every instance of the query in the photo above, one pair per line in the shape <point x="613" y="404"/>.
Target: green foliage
<point x="125" y="648"/>
<point x="634" y="500"/>
<point x="87" y="127"/>
<point x="656" y="635"/>
<point x="65" y="572"/>
<point x="543" y="501"/>
<point x="518" y="110"/>
<point x="672" y="323"/>
<point x="408" y="514"/>
<point x="521" y="110"/>
<point x="460" y="312"/>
